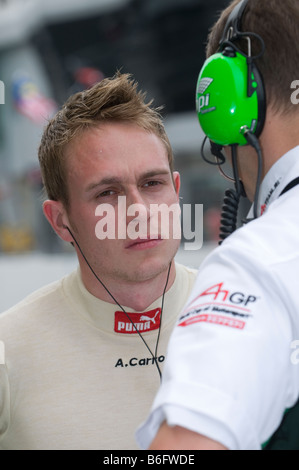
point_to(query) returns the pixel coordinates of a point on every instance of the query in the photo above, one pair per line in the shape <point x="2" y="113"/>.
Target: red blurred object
<point x="88" y="76"/>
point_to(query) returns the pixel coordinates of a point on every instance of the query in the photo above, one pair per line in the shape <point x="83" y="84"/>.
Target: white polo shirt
<point x="231" y="369"/>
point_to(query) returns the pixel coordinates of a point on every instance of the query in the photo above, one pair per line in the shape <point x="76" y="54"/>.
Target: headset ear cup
<point x="261" y="97"/>
<point x="222" y="101"/>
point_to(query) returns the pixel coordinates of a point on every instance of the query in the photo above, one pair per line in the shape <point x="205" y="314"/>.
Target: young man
<point x="231" y="379"/>
<point x="81" y="359"/>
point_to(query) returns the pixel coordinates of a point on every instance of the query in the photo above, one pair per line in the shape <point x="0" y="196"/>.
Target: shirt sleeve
<point x="228" y="369"/>
<point x="4" y="394"/>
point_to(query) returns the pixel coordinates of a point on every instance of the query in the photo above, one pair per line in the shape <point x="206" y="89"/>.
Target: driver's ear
<point x="57" y="217"/>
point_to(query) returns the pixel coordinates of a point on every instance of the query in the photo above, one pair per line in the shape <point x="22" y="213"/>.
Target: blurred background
<point x="49" y="50"/>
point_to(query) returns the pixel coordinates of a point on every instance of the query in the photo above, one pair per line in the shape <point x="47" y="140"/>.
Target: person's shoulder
<point x="186" y="270"/>
<point x="269" y="239"/>
<point x="35" y="319"/>
<point x="186" y="276"/>
<point x="34" y="303"/>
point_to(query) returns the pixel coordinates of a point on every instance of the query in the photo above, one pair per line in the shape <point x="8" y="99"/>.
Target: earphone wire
<point x="127" y="315"/>
<point x="159" y="331"/>
<point x="253" y="141"/>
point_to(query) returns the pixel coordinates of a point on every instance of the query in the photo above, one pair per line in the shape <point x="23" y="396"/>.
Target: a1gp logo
<point x="2" y="353"/>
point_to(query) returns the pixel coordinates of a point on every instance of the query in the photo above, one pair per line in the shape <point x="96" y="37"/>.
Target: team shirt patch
<point x="217" y="319"/>
<point x="220" y="306"/>
<point x="140" y="322"/>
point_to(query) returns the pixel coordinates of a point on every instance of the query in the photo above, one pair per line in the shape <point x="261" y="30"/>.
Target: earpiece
<point x="230" y="94"/>
<point x="68" y="229"/>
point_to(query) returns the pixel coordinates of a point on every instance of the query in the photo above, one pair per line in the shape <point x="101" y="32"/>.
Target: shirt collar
<point x="278" y="177"/>
<point x="102" y="314"/>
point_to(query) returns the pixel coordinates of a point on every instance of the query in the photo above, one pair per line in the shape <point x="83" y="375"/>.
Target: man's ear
<point x="176" y="182"/>
<point x="57" y="217"/>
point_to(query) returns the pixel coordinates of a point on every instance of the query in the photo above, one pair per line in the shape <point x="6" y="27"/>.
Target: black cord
<point x="127" y="315"/>
<point x="229" y="213"/>
<point x="228" y="223"/>
<point x="215" y="150"/>
<point x="159" y="331"/>
<point x="253" y="141"/>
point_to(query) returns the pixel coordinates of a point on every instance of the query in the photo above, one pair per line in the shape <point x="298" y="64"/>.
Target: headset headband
<point x="234" y="22"/>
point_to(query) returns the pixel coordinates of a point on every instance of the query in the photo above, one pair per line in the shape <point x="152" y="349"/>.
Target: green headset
<point x="231" y="109"/>
<point x="230" y="95"/>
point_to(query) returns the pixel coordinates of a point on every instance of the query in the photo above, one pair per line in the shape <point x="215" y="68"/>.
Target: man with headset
<point x="231" y="379"/>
